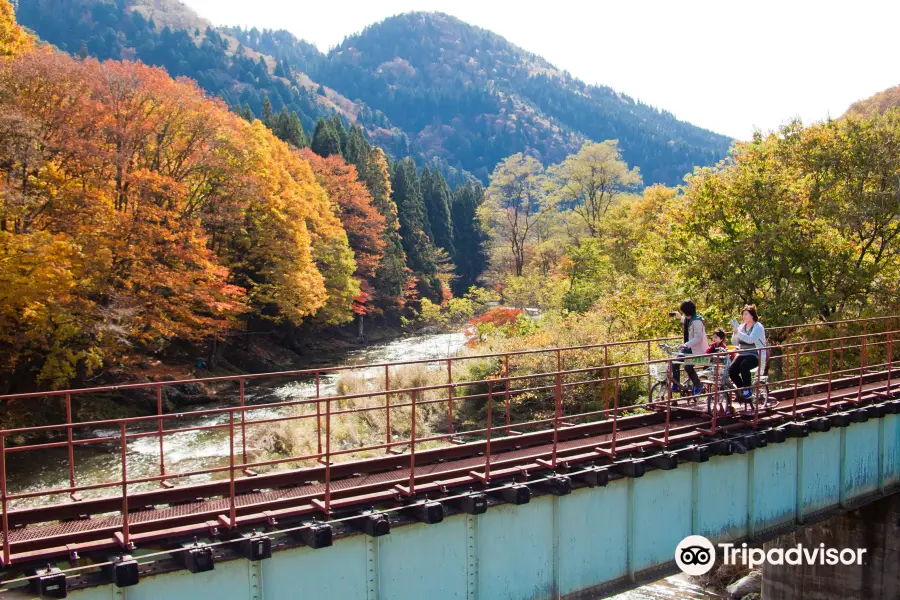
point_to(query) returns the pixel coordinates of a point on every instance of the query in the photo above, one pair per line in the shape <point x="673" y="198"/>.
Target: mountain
<point x="432" y="70"/>
<point x="168" y="34"/>
<point x="470" y="96"/>
<point x="879" y="102"/>
<point x="425" y="85"/>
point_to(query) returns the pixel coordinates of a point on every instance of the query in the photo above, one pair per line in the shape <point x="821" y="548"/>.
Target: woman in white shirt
<point x="749" y="336"/>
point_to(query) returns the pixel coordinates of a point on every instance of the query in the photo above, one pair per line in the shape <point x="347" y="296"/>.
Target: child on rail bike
<point x="718" y="344"/>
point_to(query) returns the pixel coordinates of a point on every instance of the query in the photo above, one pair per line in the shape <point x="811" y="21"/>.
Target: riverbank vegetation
<point x="803" y="222"/>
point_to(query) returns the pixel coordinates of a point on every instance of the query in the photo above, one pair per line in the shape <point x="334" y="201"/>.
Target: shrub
<point x="497" y="321"/>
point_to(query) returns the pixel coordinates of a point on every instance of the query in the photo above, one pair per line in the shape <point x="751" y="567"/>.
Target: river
<point x="196" y="450"/>
<point x="187" y="451"/>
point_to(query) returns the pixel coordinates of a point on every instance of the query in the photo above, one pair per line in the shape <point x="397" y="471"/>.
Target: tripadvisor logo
<point x="695" y="555"/>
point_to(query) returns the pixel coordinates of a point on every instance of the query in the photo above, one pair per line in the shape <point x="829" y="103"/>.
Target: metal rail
<point x="575" y="414"/>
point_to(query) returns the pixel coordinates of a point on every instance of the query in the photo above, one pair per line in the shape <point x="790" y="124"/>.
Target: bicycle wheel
<point x="686" y="395"/>
<point x="712" y="396"/>
<point x="766" y="401"/>
<point x="659" y="394"/>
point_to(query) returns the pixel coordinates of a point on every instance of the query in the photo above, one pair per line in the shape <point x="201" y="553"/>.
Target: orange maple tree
<point x="364" y="224"/>
<point x="135" y="210"/>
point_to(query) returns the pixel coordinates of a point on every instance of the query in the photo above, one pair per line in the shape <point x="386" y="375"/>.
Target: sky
<point x="731" y="67"/>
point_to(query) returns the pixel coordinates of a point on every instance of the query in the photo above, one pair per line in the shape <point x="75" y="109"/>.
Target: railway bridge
<point x="546" y="473"/>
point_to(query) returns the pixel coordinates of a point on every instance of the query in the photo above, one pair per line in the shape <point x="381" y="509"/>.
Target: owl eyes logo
<point x="695" y="555"/>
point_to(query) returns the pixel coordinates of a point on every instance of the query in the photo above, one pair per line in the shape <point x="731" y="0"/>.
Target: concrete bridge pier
<point x="875" y="527"/>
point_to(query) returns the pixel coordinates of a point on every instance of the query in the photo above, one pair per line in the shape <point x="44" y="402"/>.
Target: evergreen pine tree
<point x="294" y="133"/>
<point x="267" y="112"/>
<point x="437" y="196"/>
<point x="247" y="113"/>
<point x="357" y="148"/>
<point x="469" y="239"/>
<point x="325" y="140"/>
<point x="424" y="185"/>
<point x="411" y="214"/>
<point x="280" y="123"/>
<point x="338" y="126"/>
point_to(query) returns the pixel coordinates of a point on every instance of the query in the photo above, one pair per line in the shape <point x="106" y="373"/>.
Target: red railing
<point x="603" y="390"/>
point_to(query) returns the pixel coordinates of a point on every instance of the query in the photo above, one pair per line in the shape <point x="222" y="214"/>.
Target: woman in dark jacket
<point x="695" y="342"/>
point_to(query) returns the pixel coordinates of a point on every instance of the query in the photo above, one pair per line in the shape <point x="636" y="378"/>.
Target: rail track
<point x="506" y="461"/>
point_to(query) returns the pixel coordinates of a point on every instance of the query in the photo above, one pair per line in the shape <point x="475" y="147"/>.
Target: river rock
<point x="749" y="584"/>
<point x="251" y="362"/>
<point x="186" y="393"/>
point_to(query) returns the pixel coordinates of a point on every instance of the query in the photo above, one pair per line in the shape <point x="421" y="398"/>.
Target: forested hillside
<point x="424" y="85"/>
<point x="168" y="34"/>
<point x="467" y="94"/>
<point x="880" y="102"/>
<point x="145" y="218"/>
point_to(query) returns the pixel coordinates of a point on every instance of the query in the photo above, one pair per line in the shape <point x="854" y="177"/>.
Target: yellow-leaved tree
<point x="13" y="39"/>
<point x="135" y="211"/>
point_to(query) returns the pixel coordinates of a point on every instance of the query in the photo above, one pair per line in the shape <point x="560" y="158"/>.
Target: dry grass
<point x="366" y="426"/>
<point x="559" y="332"/>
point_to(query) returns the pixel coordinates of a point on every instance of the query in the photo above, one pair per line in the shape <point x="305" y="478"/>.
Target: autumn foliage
<point x="137" y="211"/>
<point x="499" y="319"/>
<point x="501" y="316"/>
<point x="13" y="39"/>
<point x="364" y="225"/>
<point x="361" y="220"/>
